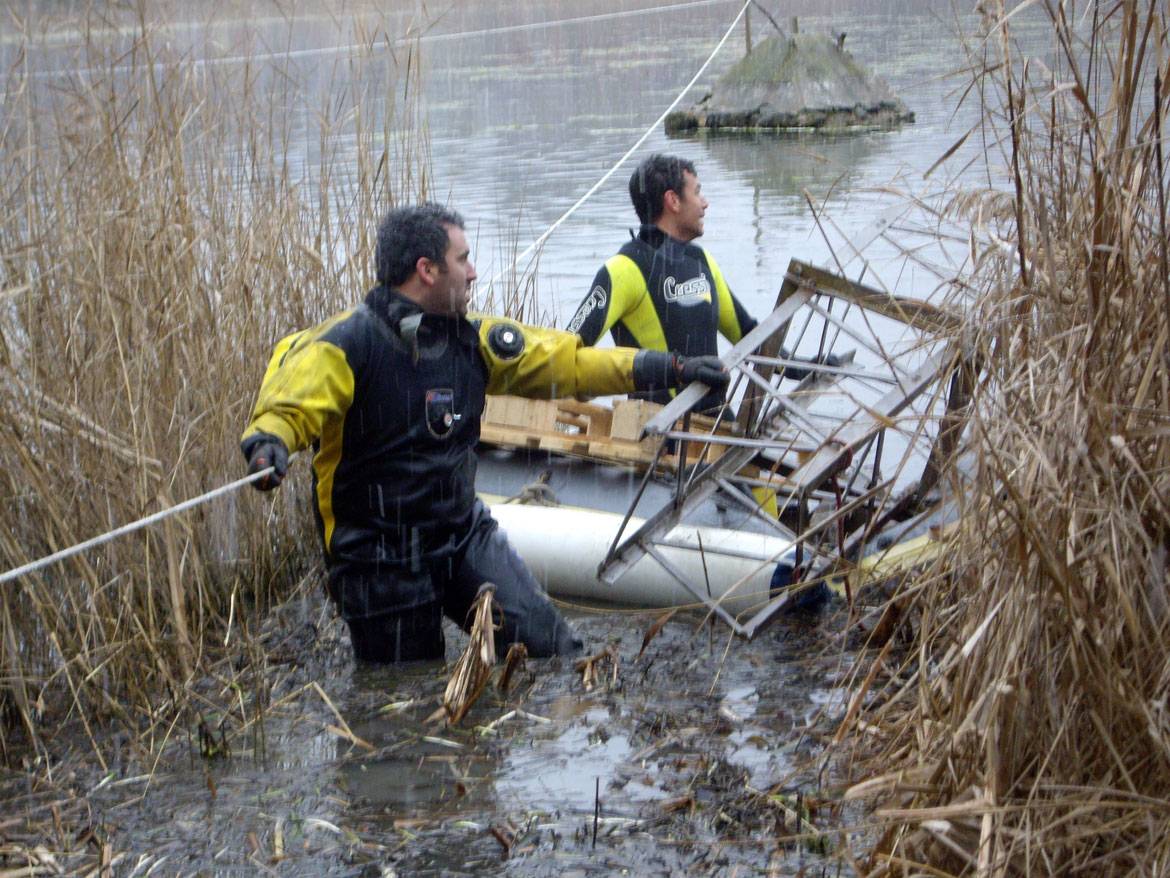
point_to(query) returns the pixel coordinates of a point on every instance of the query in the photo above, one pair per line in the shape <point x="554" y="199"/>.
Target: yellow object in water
<point x="766" y="498"/>
<point x="893" y="560"/>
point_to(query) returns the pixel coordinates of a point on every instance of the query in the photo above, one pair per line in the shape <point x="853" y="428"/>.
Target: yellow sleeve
<point x="307" y="384"/>
<point x="618" y="294"/>
<point x="734" y="321"/>
<point x="552" y="364"/>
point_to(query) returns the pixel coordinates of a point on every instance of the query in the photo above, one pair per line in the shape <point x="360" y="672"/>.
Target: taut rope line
<point x="162" y="514"/>
<point x="133" y="526"/>
<point x="653" y="127"/>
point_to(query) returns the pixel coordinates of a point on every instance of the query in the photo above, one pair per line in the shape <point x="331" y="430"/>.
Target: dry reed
<point x="1027" y="731"/>
<point x="474" y="666"/>
<point x="163" y="223"/>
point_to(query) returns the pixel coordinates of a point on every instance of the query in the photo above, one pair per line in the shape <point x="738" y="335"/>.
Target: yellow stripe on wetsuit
<point x="307" y="389"/>
<point x="630" y="303"/>
<point x="729" y="326"/>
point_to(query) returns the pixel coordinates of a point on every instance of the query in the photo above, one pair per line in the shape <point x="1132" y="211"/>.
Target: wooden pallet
<point x="581" y="429"/>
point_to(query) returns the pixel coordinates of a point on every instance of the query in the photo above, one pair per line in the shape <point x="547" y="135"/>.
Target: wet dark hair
<point x="407" y="234"/>
<point x="652" y="179"/>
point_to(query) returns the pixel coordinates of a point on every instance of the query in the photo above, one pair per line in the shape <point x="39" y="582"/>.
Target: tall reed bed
<point x="163" y="222"/>
<point x="1027" y="731"/>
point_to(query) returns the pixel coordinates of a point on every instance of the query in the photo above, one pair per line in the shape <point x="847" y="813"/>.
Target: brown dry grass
<point x="1029" y="732"/>
<point x="162" y="223"/>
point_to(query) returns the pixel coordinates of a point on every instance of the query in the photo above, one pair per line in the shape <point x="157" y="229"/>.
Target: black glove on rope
<point x="659" y="370"/>
<point x="264" y="450"/>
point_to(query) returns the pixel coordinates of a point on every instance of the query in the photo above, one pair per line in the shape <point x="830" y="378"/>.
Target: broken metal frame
<point x="771" y="423"/>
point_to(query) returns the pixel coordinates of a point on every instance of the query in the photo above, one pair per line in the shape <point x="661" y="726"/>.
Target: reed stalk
<point x="474" y="666"/>
<point x="163" y="223"/>
<point x="1033" y="736"/>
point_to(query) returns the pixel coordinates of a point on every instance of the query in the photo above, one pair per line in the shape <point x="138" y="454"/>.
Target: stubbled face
<point x="692" y="207"/>
<point x="450" y="292"/>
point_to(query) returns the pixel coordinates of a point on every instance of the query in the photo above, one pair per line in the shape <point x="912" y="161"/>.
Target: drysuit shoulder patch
<point x="506" y="340"/>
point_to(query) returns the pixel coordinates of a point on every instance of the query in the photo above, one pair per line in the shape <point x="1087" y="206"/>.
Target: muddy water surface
<point x="668" y="761"/>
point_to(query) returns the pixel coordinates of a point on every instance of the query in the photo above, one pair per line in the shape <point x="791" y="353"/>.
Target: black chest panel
<point x="407" y="467"/>
<point x="682" y="290"/>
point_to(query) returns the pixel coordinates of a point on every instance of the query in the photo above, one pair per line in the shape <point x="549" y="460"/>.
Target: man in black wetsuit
<point x="389" y="394"/>
<point x="661" y="291"/>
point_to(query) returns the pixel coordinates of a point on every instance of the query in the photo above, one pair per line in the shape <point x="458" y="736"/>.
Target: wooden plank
<point x="530" y="414"/>
<point x="573" y="444"/>
<point x="601" y="422"/>
<point x="588" y="409"/>
<point x="629" y="416"/>
<point x="595" y="432"/>
<point x="912" y="312"/>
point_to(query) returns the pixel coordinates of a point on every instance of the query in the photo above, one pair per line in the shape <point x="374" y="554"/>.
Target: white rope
<point x="133" y="526"/>
<point x="247" y="480"/>
<point x="653" y="127"/>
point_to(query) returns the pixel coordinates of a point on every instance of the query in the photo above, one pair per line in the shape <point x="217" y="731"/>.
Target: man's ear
<point x="670" y="200"/>
<point x="425" y="269"/>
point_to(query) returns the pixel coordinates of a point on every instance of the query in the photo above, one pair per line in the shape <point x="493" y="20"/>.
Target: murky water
<point x="529" y="105"/>
<point x="524" y="124"/>
<point x="669" y="756"/>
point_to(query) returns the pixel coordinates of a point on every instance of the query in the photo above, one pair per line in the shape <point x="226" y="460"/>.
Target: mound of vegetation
<point x="800" y="81"/>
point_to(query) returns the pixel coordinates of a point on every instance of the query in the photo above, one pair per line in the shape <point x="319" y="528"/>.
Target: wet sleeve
<point x="734" y="320"/>
<point x="308" y="383"/>
<point x="614" y="294"/>
<point x="541" y="363"/>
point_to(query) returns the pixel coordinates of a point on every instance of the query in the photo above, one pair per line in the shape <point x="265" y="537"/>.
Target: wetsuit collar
<point x="406" y="318"/>
<point x="391" y="305"/>
<point x="655" y="237"/>
<point x="652" y="235"/>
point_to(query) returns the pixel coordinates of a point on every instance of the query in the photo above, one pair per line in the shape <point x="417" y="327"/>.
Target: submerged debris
<point x="592" y="668"/>
<point x="515" y="659"/>
<point x="655" y="629"/>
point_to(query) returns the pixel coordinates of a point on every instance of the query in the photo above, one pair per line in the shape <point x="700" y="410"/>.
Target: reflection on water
<point x="568" y="763"/>
<point x="789" y="164"/>
<point x="517" y="144"/>
<point x="692" y="717"/>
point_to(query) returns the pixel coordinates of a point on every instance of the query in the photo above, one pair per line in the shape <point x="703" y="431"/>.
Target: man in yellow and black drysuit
<point x="661" y="291"/>
<point x="390" y="395"/>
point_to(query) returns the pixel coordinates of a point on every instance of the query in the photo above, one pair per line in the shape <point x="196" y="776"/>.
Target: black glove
<point x="264" y="450"/>
<point x="660" y="370"/>
<point x="708" y="369"/>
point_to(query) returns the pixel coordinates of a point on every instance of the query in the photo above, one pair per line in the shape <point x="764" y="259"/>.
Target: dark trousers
<point x="395" y="611"/>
